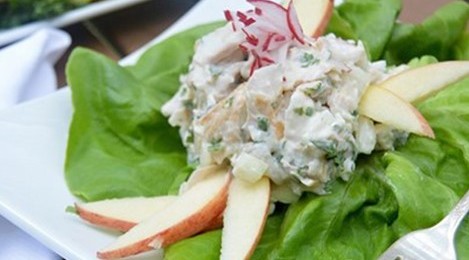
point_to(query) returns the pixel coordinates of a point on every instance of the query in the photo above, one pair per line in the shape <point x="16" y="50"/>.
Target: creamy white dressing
<point x="299" y="116"/>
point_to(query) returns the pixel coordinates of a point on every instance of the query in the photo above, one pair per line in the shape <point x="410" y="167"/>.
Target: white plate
<point x="86" y="12"/>
<point x="33" y="138"/>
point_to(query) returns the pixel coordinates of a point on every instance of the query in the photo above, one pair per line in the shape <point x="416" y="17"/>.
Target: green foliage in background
<point x="17" y="12"/>
<point x="374" y="22"/>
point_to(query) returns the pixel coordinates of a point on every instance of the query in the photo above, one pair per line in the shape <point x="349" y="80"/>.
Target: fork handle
<point x="457" y="214"/>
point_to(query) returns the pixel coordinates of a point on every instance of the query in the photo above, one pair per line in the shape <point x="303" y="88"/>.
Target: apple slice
<point x="122" y="214"/>
<point x="244" y="217"/>
<point x="187" y="215"/>
<point x="383" y="106"/>
<point x="417" y="84"/>
<point x="314" y="15"/>
<point x="201" y="174"/>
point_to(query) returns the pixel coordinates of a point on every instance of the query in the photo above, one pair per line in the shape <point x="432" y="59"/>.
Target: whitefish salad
<point x="293" y="109"/>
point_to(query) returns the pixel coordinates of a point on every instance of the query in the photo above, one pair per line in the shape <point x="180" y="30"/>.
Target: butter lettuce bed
<point x="120" y="144"/>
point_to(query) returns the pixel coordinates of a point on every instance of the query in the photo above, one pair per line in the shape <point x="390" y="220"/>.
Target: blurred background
<point x="129" y="29"/>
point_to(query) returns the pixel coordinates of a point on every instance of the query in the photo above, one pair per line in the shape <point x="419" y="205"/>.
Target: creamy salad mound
<point x="292" y="111"/>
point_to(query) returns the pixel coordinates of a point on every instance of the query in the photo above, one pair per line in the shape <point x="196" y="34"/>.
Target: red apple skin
<point x="196" y="223"/>
<point x="191" y="225"/>
<point x="427" y="129"/>
<point x="104" y="221"/>
<point x="325" y="20"/>
<point x="124" y="226"/>
<point x="214" y="224"/>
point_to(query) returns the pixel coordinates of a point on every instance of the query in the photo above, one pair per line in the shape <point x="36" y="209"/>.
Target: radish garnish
<point x="272" y="13"/>
<point x="267" y="29"/>
<point x="294" y="23"/>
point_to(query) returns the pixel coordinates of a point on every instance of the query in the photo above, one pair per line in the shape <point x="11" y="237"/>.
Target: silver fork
<point x="435" y="243"/>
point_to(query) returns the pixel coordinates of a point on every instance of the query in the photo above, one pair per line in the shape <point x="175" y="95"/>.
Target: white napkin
<point x="27" y="67"/>
<point x="27" y="72"/>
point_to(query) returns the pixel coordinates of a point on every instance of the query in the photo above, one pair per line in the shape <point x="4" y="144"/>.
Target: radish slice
<point x="294" y="23"/>
<point x="273" y="13"/>
<point x="268" y="28"/>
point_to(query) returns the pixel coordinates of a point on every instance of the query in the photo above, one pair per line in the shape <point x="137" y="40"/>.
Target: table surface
<point x="131" y="28"/>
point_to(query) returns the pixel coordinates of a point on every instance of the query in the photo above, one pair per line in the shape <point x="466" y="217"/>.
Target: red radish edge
<point x="267" y="28"/>
<point x="294" y="23"/>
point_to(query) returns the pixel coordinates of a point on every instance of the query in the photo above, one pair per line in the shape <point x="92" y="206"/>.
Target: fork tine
<point x="428" y="244"/>
<point x="435" y="243"/>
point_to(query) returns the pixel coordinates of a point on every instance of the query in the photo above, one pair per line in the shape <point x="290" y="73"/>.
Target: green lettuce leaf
<point x="340" y="27"/>
<point x="462" y="236"/>
<point x="205" y="246"/>
<point x="415" y="193"/>
<point x="120" y="145"/>
<point x="422" y="61"/>
<point x="461" y="47"/>
<point x="161" y="66"/>
<point x="372" y="22"/>
<point x="352" y="222"/>
<point x="436" y="36"/>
